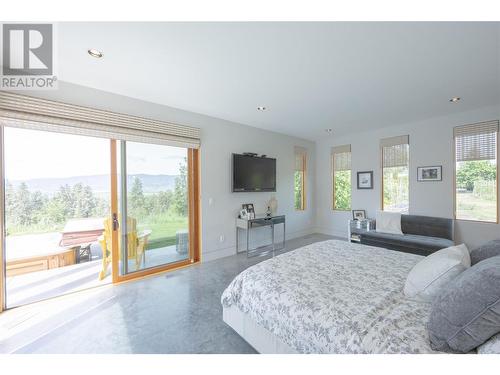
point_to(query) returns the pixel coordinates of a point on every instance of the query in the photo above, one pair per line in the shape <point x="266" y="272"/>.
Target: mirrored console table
<point x="260" y="221"/>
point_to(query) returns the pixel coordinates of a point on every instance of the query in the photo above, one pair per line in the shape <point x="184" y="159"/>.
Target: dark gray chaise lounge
<point x="423" y="235"/>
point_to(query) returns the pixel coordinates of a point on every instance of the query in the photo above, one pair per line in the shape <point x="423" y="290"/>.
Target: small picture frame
<point x="365" y="180"/>
<point x="358" y="214"/>
<point x="249" y="209"/>
<point x="434" y="173"/>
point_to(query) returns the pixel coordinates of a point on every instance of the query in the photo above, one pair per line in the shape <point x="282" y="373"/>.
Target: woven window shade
<point x="476" y="141"/>
<point x="341" y="158"/>
<point x="300" y="158"/>
<point x="395" y="151"/>
<point x="39" y="114"/>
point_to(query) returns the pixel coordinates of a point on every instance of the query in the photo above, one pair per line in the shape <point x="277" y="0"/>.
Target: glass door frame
<point x="193" y="169"/>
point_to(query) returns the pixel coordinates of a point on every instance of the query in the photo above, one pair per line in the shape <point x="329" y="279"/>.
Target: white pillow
<point x="429" y="276"/>
<point x="388" y="222"/>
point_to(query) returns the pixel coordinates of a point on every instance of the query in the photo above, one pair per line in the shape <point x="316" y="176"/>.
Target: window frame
<point x="454" y="185"/>
<point x="333" y="153"/>
<point x="382" y="168"/>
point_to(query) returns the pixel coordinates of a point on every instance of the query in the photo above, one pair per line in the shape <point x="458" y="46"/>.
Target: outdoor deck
<point x="36" y="286"/>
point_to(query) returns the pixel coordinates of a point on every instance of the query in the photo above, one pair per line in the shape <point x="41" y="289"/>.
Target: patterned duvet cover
<point x="334" y="297"/>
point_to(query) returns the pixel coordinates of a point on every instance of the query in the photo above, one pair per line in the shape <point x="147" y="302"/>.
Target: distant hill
<point x="98" y="183"/>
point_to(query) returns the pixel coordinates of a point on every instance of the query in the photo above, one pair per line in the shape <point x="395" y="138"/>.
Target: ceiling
<point x="311" y="76"/>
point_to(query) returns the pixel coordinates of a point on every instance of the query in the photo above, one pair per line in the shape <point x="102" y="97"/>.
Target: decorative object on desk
<point x="243" y="214"/>
<point x="355" y="228"/>
<point x="358" y="214"/>
<point x="273" y="204"/>
<point x="430" y="173"/>
<point x="268" y="212"/>
<point x="365" y="180"/>
<point x="250" y="210"/>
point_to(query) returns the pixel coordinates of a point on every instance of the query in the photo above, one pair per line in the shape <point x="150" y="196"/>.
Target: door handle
<point x="116" y="224"/>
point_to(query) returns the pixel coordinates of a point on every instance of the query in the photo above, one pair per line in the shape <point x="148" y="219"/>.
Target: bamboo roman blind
<point x="341" y="158"/>
<point x="395" y="151"/>
<point x="40" y="114"/>
<point x="476" y="141"/>
<point x="300" y="158"/>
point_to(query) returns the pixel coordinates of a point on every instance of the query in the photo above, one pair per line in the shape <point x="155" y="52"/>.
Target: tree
<point x="10" y="195"/>
<point x="180" y="201"/>
<point x="84" y="201"/>
<point x="160" y="202"/>
<point x="136" y="200"/>
<point x="343" y="190"/>
<point x="298" y="189"/>
<point x="25" y="208"/>
<point x="470" y="171"/>
<point x="22" y="205"/>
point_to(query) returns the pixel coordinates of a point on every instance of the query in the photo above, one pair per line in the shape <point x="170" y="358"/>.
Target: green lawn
<point x="163" y="229"/>
<point x="470" y="207"/>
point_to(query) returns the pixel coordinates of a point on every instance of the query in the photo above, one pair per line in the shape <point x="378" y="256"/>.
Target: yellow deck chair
<point x="136" y="244"/>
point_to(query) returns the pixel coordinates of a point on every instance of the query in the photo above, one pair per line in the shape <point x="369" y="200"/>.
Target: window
<point x="299" y="178"/>
<point x="476" y="172"/>
<point x="395" y="174"/>
<point x="341" y="173"/>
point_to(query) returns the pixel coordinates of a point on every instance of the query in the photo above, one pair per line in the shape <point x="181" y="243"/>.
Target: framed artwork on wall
<point x="365" y="180"/>
<point x="430" y="173"/>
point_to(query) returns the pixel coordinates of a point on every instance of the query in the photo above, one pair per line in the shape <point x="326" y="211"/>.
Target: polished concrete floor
<point x="177" y="312"/>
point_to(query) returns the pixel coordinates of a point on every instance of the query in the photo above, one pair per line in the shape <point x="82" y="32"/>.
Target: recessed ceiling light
<point x="95" y="53"/>
<point x="261" y="108"/>
<point x="329" y="131"/>
<point x="455" y="99"/>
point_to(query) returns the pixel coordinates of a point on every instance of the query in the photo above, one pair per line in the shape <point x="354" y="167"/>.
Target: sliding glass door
<point x="57" y="196"/>
<point x="79" y="212"/>
<point x="152" y="218"/>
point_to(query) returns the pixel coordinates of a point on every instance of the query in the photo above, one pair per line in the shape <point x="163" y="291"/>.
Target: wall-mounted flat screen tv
<point x="253" y="173"/>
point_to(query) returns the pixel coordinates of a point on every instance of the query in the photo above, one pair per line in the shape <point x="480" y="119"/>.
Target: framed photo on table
<point x="430" y="173"/>
<point x="365" y="180"/>
<point x="249" y="209"/>
<point x="358" y="214"/>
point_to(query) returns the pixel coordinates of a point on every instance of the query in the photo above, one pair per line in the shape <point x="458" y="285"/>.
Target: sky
<point x="31" y="154"/>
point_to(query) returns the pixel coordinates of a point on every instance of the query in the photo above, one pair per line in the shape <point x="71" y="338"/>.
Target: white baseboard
<point x="210" y="255"/>
<point x="332" y="231"/>
<point x="217" y="254"/>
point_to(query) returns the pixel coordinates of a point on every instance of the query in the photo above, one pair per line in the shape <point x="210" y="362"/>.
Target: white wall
<point x="431" y="143"/>
<point x="219" y="139"/>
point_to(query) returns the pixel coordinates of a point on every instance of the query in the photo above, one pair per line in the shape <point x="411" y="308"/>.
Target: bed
<point x="328" y="297"/>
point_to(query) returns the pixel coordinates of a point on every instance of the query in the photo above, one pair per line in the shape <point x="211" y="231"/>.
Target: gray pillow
<point x="467" y="312"/>
<point x="488" y="250"/>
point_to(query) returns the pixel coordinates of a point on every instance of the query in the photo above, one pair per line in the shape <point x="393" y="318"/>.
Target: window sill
<point x="478" y="221"/>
